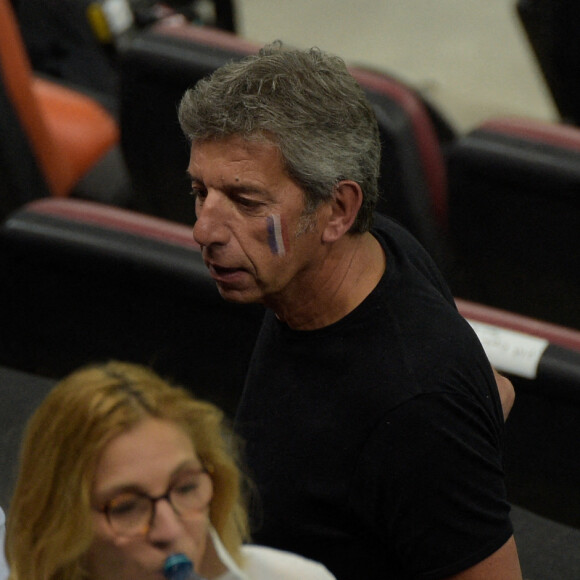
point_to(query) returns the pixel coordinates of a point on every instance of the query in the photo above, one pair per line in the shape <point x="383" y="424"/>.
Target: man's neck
<point x="348" y="274"/>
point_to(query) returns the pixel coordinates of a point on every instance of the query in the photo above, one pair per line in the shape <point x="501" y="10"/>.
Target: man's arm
<point x="501" y="565"/>
<point x="507" y="393"/>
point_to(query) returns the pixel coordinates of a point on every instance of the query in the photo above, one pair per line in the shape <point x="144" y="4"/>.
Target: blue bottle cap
<point x="178" y="567"/>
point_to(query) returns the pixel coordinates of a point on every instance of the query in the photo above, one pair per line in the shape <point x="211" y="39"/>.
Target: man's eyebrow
<point x="233" y="188"/>
<point x="244" y="188"/>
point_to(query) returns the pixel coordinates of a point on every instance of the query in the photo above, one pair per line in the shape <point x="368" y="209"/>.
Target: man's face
<point x="256" y="241"/>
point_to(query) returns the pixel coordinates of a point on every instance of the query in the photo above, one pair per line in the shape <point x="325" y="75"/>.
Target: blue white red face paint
<point x="277" y="236"/>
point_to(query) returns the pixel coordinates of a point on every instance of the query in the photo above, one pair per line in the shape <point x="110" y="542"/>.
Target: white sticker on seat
<point x="510" y="351"/>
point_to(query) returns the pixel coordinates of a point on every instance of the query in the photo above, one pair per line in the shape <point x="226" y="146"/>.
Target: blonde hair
<point x="50" y="524"/>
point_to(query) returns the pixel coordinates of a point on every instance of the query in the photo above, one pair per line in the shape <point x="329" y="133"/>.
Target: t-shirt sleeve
<point x="431" y="482"/>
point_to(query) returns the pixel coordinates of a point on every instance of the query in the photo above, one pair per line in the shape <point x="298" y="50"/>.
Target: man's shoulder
<point x="387" y="226"/>
<point x="408" y="254"/>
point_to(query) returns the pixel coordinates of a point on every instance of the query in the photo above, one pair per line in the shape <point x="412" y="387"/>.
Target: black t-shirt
<point x="376" y="442"/>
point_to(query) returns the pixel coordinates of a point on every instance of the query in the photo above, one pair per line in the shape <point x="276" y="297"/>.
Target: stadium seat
<point x="543" y="361"/>
<point x="413" y="181"/>
<point x="20" y="394"/>
<point x="52" y="135"/>
<point x="514" y="208"/>
<point x="542" y="432"/>
<point x="85" y="282"/>
<point x="552" y="31"/>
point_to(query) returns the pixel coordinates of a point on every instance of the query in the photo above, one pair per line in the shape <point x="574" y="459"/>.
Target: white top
<point x="259" y="562"/>
<point x="3" y="565"/>
<point x="262" y="563"/>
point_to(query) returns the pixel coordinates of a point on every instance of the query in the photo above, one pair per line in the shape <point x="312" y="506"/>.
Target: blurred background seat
<point x="552" y="27"/>
<point x="20" y="394"/>
<point x="413" y="177"/>
<point x="53" y="137"/>
<point x="543" y="362"/>
<point x="542" y="433"/>
<point x="514" y="206"/>
<point x="84" y="282"/>
<point x="157" y="66"/>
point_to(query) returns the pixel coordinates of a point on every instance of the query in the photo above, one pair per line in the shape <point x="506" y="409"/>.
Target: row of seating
<point x="514" y="217"/>
<point x="83" y="281"/>
<point x="497" y="207"/>
<point x="86" y="281"/>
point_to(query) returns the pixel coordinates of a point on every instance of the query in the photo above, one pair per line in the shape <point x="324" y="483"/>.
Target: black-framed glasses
<point x="131" y="513"/>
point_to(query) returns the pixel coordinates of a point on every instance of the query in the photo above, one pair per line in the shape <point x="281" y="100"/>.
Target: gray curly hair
<point x="304" y="102"/>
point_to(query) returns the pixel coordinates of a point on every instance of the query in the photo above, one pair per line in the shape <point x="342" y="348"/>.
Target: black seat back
<point x="85" y="282"/>
<point x="515" y="217"/>
<point x="20" y="394"/>
<point x="543" y="428"/>
<point x="552" y="31"/>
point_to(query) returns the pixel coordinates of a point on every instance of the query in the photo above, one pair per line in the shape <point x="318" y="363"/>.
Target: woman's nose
<point x="166" y="525"/>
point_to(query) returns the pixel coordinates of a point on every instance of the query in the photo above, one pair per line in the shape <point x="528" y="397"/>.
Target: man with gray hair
<point x="371" y="414"/>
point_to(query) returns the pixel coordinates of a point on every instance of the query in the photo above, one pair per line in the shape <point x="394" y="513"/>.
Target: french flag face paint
<point x="277" y="237"/>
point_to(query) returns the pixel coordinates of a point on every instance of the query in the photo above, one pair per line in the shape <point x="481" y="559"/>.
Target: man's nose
<point x="210" y="227"/>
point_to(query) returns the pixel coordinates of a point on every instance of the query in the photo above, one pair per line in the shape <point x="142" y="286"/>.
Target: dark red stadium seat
<point x="543" y="361"/>
<point x="83" y="281"/>
<point x="542" y="431"/>
<point x="514" y="206"/>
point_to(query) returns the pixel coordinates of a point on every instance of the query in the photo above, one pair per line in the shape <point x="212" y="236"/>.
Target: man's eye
<point x="248" y="202"/>
<point x="198" y="192"/>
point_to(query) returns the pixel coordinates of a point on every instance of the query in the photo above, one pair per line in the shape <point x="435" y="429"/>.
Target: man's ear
<point x="344" y="207"/>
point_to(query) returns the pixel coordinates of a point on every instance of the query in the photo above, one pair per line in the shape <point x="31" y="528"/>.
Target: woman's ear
<point x="344" y="207"/>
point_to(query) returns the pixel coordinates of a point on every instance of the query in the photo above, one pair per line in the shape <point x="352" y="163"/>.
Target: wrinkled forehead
<point x="253" y="138"/>
<point x="258" y="151"/>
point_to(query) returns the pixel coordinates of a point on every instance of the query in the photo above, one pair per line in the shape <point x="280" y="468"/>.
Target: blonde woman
<point x="119" y="471"/>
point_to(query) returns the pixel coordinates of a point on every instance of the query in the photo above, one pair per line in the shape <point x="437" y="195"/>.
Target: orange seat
<point x="68" y="132"/>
